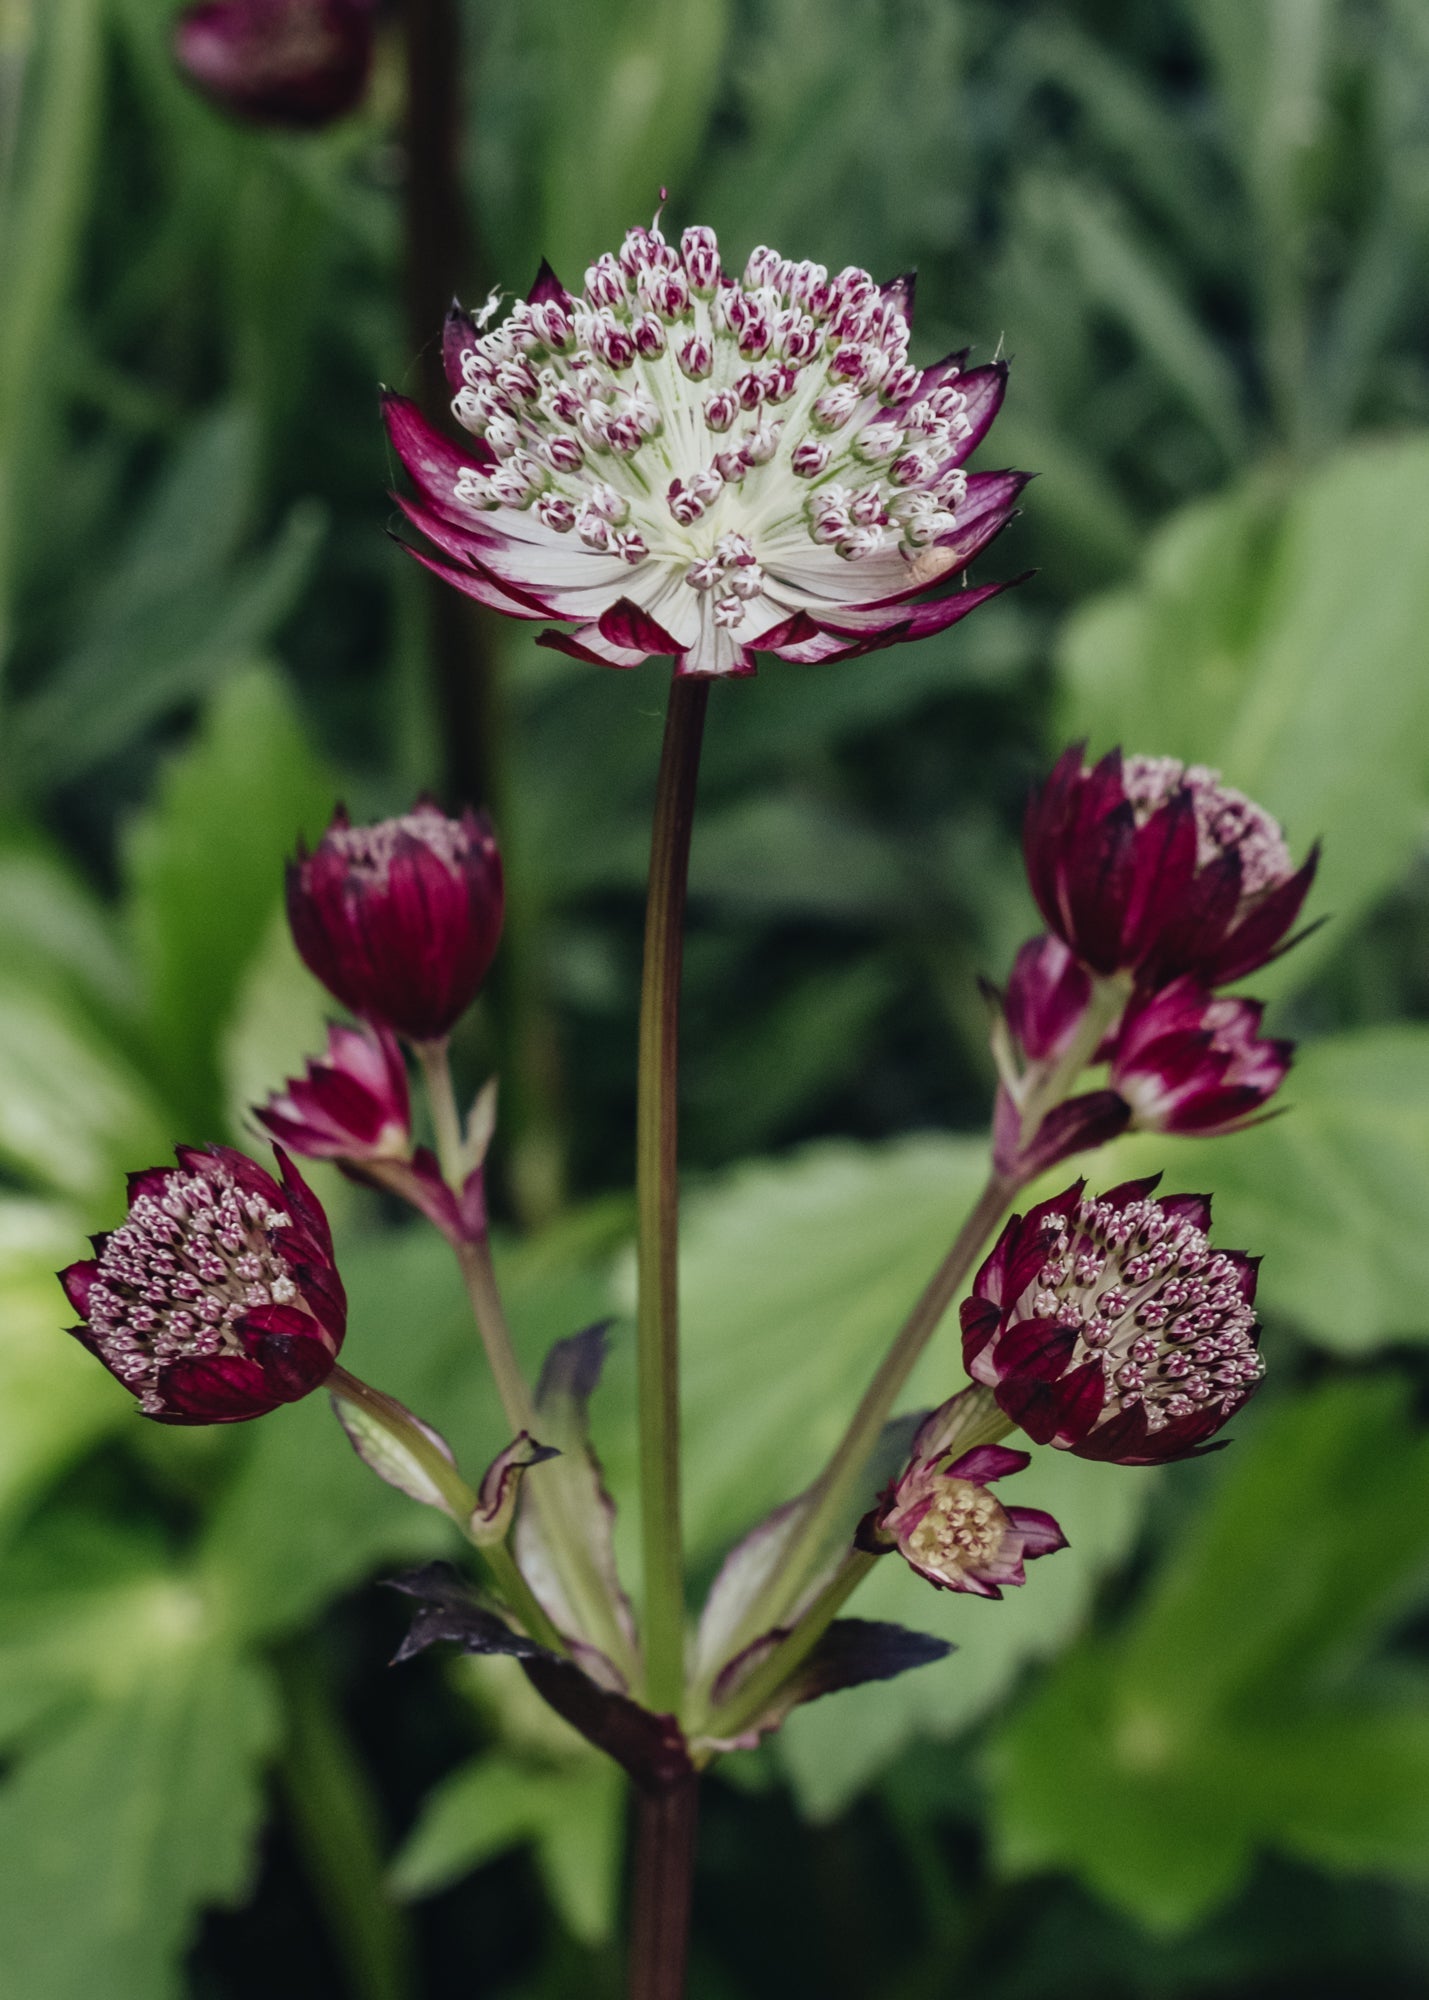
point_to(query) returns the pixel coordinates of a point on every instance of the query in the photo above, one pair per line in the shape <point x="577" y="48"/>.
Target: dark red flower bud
<point x="400" y="920"/>
<point x="1109" y="1327"/>
<point x="354" y="1106"/>
<point x="1149" y="866"/>
<point x="218" y="1298"/>
<point x="1189" y="1061"/>
<point x="278" y="62"/>
<point x="1046" y="999"/>
<point x="943" y="1521"/>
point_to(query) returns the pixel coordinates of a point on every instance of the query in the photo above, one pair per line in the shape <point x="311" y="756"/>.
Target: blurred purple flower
<point x="686" y="462"/>
<point x="296" y="63"/>
<point x="1189" y="1061"/>
<point x="353" y="1106"/>
<point x="1153" y="867"/>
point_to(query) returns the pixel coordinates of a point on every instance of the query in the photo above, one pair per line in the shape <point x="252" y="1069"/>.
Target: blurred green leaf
<point x="117" y="1830"/>
<point x="626" y="83"/>
<point x="1333" y="1193"/>
<point x="571" y="1814"/>
<point x="54" y="1401"/>
<point x="205" y="867"/>
<point x="1279" y="638"/>
<point x="52" y="922"/>
<point x="74" y="1113"/>
<point x="1237" y="1709"/>
<point x="279" y="1019"/>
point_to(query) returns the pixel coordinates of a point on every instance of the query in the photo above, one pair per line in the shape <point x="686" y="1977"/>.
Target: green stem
<point x="475" y="1258"/>
<point x="849" y="1462"/>
<point x="657" y="1192"/>
<point x="335" y="1826"/>
<point x="796" y="1645"/>
<point x="520" y="1596"/>
<point x="551" y="1493"/>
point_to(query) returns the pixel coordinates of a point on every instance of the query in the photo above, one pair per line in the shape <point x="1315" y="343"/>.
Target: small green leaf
<point x="1240" y="1708"/>
<point x="115" y="1833"/>
<point x="1243" y="647"/>
<point x="205" y="866"/>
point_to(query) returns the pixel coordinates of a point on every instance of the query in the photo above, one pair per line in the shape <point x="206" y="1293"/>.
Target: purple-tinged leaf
<point x="501" y="1484"/>
<point x="650" y="1747"/>
<point x="852" y="1651"/>
<point x="568" y="1380"/>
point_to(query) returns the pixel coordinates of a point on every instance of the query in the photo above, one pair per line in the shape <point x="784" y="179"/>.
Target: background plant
<point x="1200" y="231"/>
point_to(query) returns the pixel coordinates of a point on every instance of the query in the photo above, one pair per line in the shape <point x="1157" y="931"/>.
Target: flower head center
<point x="963" y="1527"/>
<point x="369" y="851"/>
<point x="1227" y="822"/>
<point x="1146" y="1296"/>
<point x="176" y="1277"/>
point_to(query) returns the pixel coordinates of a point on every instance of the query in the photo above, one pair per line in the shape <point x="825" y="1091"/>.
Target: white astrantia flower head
<point x="688" y="463"/>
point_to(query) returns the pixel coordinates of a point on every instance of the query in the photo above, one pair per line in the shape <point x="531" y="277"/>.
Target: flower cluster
<point x="688" y="462"/>
<point x="1110" y="1327"/>
<point x="1159" y="884"/>
<point x="218" y="1298"/>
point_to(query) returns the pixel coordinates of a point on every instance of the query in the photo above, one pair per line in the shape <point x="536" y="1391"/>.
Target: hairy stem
<point x="657" y="1193"/>
<point x="665" y="1828"/>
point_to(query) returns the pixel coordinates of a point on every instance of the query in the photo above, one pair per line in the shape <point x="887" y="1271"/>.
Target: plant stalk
<point x="796" y="1645"/>
<point x="665" y="1826"/>
<point x="657" y="1194"/>
<point x="840" y="1476"/>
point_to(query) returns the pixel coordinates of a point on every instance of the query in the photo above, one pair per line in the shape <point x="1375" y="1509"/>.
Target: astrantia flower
<point x="1189" y="1061"/>
<point x="280" y="62"/>
<point x="1111" y="1328"/>
<point x="353" y="1106"/>
<point x="686" y="462"/>
<point x="400" y="920"/>
<point x="218" y="1298"/>
<point x="941" y="1518"/>
<point x="1152" y="867"/>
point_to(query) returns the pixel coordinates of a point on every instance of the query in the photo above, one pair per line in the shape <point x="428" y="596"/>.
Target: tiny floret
<point x="778" y="406"/>
<point x="217" y="1298"/>
<point x="1109" y="1326"/>
<point x="941" y="1518"/>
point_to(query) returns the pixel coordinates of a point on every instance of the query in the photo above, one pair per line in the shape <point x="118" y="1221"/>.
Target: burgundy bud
<point x="1109" y="1327"/>
<point x="1189" y="1061"/>
<point x="943" y="1521"/>
<point x="353" y="1106"/>
<point x="278" y="62"/>
<point x="1046" y="999"/>
<point x="400" y="920"/>
<point x="218" y="1298"/>
<point x="1149" y="866"/>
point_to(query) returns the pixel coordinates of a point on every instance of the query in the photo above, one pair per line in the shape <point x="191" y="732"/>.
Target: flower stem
<point x="665" y="1825"/>
<point x="657" y="1194"/>
<point x="840" y="1476"/>
<point x="796" y="1645"/>
<point x="475" y="1258"/>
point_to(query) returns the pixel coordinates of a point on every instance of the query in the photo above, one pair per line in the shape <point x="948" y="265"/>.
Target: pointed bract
<point x="352" y="1106"/>
<point x="1190" y="1061"/>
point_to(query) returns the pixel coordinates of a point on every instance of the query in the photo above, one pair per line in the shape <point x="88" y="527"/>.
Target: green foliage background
<point x="1192" y="1757"/>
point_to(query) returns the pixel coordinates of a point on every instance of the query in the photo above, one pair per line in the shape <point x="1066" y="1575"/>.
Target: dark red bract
<point x="1109" y="1326"/>
<point x="353" y="1106"/>
<point x="278" y="62"/>
<point x="218" y="1298"/>
<point x="1190" y="1061"/>
<point x="400" y="920"/>
<point x="1152" y="867"/>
